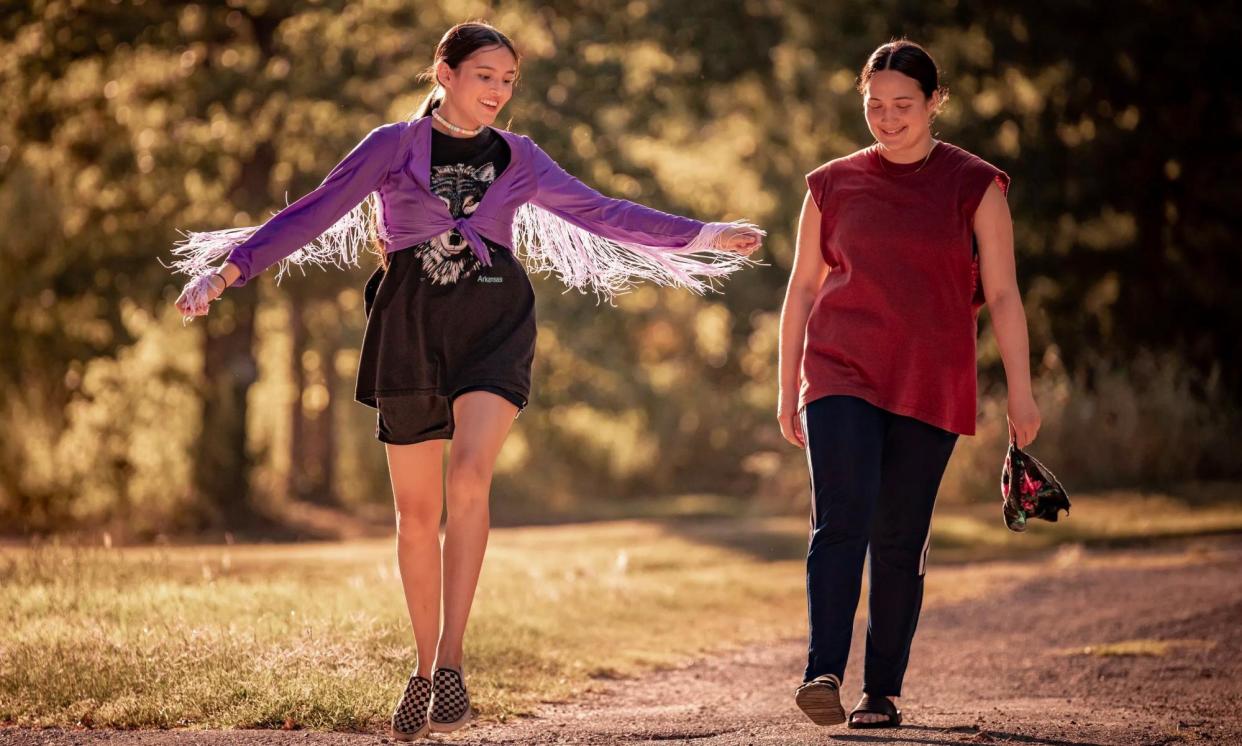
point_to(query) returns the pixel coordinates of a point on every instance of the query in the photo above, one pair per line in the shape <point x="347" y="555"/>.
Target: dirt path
<point x="1011" y="667"/>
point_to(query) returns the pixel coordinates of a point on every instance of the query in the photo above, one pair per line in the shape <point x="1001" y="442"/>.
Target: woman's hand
<point x="1024" y="418"/>
<point x="741" y="239"/>
<point x="791" y="423"/>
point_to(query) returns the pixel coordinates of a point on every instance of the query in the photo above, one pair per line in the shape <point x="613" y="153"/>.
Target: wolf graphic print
<point x="447" y="258"/>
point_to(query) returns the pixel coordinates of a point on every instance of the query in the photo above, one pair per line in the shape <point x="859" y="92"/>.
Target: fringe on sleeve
<point x="585" y="261"/>
<point x="200" y="253"/>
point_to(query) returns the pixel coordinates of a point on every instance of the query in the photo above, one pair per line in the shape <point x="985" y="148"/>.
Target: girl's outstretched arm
<point x="312" y="226"/>
<point x="609" y="244"/>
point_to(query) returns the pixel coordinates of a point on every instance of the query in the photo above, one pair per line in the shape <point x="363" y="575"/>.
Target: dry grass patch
<point x="1141" y="648"/>
<point x="316" y="635"/>
<point x="255" y="635"/>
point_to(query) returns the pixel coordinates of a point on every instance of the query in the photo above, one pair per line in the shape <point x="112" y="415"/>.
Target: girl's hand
<point x="1024" y="418"/>
<point x="741" y="239"/>
<point x="791" y="424"/>
<point x="198" y="294"/>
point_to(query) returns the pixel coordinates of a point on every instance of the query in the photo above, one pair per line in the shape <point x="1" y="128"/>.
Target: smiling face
<point x="476" y="91"/>
<point x="898" y="113"/>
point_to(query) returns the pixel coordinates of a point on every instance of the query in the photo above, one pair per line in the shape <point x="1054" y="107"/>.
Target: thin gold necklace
<point x="884" y="168"/>
<point x="435" y="113"/>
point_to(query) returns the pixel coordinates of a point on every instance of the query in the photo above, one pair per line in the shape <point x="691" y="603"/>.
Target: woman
<point x="450" y="334"/>
<point x="878" y="366"/>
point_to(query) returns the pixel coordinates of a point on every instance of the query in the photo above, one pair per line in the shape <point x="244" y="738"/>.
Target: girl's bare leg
<point x="481" y="423"/>
<point x="417" y="473"/>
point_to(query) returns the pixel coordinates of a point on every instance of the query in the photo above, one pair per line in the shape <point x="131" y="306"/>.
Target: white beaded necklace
<point x="435" y="113"/>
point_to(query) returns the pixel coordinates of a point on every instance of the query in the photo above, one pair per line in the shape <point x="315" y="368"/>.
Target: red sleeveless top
<point x="896" y="318"/>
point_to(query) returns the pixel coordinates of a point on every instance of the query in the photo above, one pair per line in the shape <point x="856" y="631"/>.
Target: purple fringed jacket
<point x="556" y="222"/>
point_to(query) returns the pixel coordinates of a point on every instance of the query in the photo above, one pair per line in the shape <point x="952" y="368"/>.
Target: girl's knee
<point x="417" y="518"/>
<point x="468" y="476"/>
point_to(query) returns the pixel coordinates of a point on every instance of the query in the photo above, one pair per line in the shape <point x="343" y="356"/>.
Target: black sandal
<point x="820" y="700"/>
<point x="876" y="706"/>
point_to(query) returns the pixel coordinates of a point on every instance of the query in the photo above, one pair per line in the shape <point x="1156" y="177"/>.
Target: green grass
<point x="316" y="635"/>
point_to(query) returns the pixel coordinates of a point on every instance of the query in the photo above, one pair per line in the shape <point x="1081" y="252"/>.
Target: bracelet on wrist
<point x="215" y="276"/>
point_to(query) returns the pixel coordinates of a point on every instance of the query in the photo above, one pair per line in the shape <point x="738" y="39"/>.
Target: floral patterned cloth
<point x="1029" y="490"/>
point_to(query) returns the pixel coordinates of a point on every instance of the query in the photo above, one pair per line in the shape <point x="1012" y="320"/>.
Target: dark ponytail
<point x="909" y="59"/>
<point x="457" y="44"/>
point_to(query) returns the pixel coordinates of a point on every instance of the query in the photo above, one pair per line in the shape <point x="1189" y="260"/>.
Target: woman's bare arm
<point x="805" y="280"/>
<point x="997" y="269"/>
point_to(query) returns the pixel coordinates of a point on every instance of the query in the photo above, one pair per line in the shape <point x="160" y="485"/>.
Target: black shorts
<point x="413" y="418"/>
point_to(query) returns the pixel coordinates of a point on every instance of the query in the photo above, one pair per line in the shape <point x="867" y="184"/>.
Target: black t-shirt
<point x="438" y="320"/>
<point x="462" y="169"/>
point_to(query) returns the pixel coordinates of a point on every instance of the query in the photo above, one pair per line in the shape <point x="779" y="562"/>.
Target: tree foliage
<point x="125" y="121"/>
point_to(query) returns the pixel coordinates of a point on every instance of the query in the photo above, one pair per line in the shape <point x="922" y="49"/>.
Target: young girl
<point x="450" y="336"/>
<point x="878" y="366"/>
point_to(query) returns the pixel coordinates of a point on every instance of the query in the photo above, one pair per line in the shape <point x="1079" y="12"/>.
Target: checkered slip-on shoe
<point x="450" y="705"/>
<point x="820" y="700"/>
<point x="409" y="720"/>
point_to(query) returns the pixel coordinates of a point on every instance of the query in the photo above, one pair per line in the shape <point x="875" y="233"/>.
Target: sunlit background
<point x="122" y="122"/>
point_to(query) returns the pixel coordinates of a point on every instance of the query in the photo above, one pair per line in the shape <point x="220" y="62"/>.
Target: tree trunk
<point x="221" y="484"/>
<point x="297" y="379"/>
<point x="312" y="444"/>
